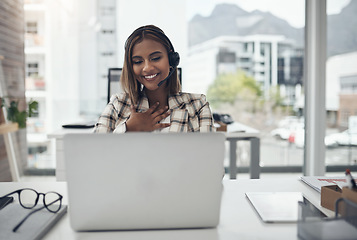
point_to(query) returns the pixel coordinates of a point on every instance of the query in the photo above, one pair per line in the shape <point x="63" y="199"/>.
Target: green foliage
<point x="15" y="115"/>
<point x="276" y="97"/>
<point x="227" y="87"/>
<point x="223" y="89"/>
<point x="33" y="108"/>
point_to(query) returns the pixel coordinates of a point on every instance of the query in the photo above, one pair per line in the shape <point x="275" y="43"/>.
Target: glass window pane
<point x="341" y="82"/>
<point x="248" y="58"/>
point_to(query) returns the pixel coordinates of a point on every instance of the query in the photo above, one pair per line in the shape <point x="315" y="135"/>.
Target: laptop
<point x="144" y="180"/>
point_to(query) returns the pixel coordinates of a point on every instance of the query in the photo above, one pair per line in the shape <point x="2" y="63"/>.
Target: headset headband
<point x="174" y="57"/>
<point x="152" y="30"/>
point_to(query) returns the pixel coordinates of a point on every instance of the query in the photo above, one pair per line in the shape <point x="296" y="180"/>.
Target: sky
<point x="293" y="11"/>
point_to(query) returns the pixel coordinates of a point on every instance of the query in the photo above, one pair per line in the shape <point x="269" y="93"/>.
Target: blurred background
<point x="246" y="56"/>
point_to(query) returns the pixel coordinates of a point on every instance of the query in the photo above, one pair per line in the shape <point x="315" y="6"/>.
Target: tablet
<point x="277" y="206"/>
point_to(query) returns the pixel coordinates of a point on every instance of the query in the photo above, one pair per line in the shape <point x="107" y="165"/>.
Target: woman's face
<point x="150" y="63"/>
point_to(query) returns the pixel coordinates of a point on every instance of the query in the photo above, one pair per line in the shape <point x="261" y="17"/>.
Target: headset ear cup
<point x="174" y="59"/>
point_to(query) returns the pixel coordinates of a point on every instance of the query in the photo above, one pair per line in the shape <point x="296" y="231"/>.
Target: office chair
<point x="114" y="75"/>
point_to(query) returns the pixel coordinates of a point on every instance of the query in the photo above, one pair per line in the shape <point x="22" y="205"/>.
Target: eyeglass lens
<point x="52" y="201"/>
<point x="29" y="199"/>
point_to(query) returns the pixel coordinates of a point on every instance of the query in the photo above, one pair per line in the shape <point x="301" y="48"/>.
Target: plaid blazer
<point x="189" y="113"/>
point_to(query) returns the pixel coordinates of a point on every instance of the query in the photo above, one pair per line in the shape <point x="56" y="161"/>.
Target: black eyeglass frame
<point x="60" y="197"/>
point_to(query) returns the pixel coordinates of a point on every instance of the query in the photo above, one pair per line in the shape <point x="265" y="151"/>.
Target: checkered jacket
<point x="189" y="113"/>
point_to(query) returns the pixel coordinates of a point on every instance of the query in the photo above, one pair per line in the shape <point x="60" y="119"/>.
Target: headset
<point x="174" y="57"/>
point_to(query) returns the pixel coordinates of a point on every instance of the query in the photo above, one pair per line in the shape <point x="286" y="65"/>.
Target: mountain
<point x="342" y="30"/>
<point x="230" y="19"/>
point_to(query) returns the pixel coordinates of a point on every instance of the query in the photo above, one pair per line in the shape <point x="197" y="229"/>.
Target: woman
<point x="152" y="98"/>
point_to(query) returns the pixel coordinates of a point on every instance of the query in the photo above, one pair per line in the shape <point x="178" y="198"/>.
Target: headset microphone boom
<point x="168" y="76"/>
<point x="174" y="60"/>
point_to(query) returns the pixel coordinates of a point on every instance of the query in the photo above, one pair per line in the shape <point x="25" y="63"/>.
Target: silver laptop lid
<point x="144" y="180"/>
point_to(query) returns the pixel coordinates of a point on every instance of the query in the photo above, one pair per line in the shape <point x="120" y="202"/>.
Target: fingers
<point x="161" y="125"/>
<point x="148" y="120"/>
<point x="162" y="116"/>
<point x="153" y="108"/>
<point x="159" y="112"/>
<point x="157" y="120"/>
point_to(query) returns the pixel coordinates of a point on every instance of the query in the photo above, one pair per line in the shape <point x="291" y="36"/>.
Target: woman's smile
<point x="151" y="77"/>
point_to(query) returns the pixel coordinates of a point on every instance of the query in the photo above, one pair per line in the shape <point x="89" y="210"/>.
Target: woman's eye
<point x="156" y="58"/>
<point x="137" y="62"/>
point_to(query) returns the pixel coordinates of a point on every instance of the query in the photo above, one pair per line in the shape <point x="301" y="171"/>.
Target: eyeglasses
<point x="28" y="199"/>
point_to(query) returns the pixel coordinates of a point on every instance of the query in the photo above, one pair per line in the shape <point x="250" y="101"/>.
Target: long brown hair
<point x="128" y="82"/>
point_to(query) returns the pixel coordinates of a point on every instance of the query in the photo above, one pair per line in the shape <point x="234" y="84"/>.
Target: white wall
<point x="61" y="42"/>
<point x="87" y="53"/>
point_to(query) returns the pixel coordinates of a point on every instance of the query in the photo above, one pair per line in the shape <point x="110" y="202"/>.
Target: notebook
<point x="316" y="182"/>
<point x="35" y="227"/>
<point x="144" y="180"/>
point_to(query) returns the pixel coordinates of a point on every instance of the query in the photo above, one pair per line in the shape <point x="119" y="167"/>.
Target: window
<point x="32" y="69"/>
<point x="348" y="84"/>
<point x="344" y="117"/>
<point x="31" y="27"/>
<point x="226" y="57"/>
<point x="262" y="89"/>
<point x="107" y="10"/>
<point x="244" y="60"/>
<point x="341" y="83"/>
<point x="273" y="63"/>
<point x="262" y="49"/>
<point x="107" y="53"/>
<point x="245" y="48"/>
<point x="108" y="31"/>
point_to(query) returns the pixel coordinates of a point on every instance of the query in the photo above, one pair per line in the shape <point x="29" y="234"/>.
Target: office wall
<point x="12" y="74"/>
<point x="61" y="60"/>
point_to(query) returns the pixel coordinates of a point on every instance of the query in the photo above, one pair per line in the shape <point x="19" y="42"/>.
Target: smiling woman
<point x="150" y="64"/>
<point x="152" y="98"/>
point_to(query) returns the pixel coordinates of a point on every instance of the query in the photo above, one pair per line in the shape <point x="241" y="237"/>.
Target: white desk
<point x="239" y="132"/>
<point x="235" y="132"/>
<point x="238" y="218"/>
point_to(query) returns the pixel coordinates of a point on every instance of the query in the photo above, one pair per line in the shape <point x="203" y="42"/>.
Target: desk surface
<point x="237" y="129"/>
<point x="234" y="130"/>
<point x="61" y="132"/>
<point x="238" y="218"/>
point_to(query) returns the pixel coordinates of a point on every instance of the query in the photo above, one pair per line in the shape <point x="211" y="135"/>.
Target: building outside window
<point x="275" y="60"/>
